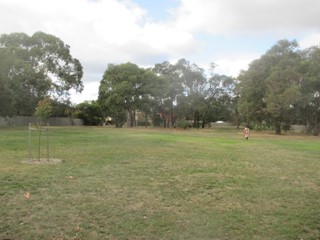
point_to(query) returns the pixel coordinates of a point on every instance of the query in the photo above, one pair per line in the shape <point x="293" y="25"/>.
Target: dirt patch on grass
<point x="42" y="161"/>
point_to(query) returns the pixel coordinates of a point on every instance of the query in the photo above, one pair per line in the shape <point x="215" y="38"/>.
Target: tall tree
<point x="36" y="67"/>
<point x="220" y="92"/>
<point x="168" y="93"/>
<point x="190" y="94"/>
<point x="283" y="89"/>
<point x="252" y="90"/>
<point x="6" y="97"/>
<point x="310" y="88"/>
<point x="125" y="87"/>
<point x="269" y="89"/>
<point x="193" y="82"/>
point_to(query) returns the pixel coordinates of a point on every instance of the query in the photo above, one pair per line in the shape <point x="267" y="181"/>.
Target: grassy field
<point x="160" y="184"/>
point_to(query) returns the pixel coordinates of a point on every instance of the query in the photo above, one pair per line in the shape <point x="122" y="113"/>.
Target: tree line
<point x="279" y="89"/>
<point x="169" y="94"/>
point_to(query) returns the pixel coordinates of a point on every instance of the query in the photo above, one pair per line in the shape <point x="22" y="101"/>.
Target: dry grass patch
<point x="42" y="161"/>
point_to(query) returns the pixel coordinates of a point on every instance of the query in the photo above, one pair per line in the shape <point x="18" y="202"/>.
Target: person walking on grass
<point x="246" y="133"/>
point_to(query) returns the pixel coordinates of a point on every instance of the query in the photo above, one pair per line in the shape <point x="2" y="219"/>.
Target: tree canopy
<point x="281" y="87"/>
<point x="33" y="67"/>
<point x="125" y="87"/>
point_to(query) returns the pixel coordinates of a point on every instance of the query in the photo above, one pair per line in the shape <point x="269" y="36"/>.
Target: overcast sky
<point x="230" y="33"/>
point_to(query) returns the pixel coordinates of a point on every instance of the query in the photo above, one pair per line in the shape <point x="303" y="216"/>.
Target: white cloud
<point x="232" y="65"/>
<point x="99" y="32"/>
<point x="310" y="40"/>
<point x="90" y="92"/>
<point x="248" y="16"/>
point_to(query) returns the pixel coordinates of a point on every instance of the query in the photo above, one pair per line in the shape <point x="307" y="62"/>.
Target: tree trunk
<point x="308" y="127"/>
<point x="196" y="121"/>
<point x="316" y="128"/>
<point x="131" y="119"/>
<point x="278" y="128"/>
<point x="134" y="124"/>
<point x="172" y="120"/>
<point x="146" y="121"/>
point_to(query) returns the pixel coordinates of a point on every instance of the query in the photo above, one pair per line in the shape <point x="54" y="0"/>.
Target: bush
<point x="143" y="123"/>
<point x="182" y="123"/>
<point x="156" y="120"/>
<point x="90" y="113"/>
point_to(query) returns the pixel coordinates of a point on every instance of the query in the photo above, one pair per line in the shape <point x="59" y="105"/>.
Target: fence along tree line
<point x="280" y="88"/>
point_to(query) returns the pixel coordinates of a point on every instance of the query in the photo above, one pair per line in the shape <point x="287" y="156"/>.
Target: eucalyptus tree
<point x="183" y="95"/>
<point x="125" y="87"/>
<point x="33" y="67"/>
<point x="149" y="95"/>
<point x="310" y="87"/>
<point x="168" y="93"/>
<point x="190" y="94"/>
<point x="252" y="90"/>
<point x="7" y="98"/>
<point x="270" y="88"/>
<point x="193" y="83"/>
<point x="220" y="93"/>
<point x="283" y="84"/>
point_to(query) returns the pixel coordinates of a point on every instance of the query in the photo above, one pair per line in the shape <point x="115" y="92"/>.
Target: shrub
<point x="182" y="123"/>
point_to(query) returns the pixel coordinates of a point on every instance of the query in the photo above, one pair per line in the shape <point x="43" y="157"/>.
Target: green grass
<point x="160" y="184"/>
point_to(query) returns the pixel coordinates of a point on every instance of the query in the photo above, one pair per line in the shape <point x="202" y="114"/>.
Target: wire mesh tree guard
<point x="40" y="130"/>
